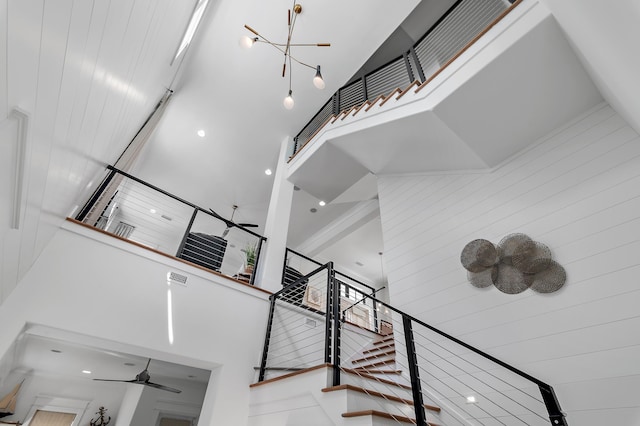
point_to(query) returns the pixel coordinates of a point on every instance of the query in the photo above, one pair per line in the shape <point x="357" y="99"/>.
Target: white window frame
<point x="58" y="405"/>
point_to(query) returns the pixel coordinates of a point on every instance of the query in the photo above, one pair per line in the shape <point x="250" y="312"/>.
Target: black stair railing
<point x="443" y="41"/>
<point x="305" y="328"/>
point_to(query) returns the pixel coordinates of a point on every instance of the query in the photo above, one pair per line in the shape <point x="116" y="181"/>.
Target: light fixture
<point x="268" y="172"/>
<point x="201" y="133"/>
<point x="322" y="203"/>
<point x="288" y="101"/>
<point x="190" y="31"/>
<point x="285" y="48"/>
<point x="86" y="372"/>
<point x="471" y="399"/>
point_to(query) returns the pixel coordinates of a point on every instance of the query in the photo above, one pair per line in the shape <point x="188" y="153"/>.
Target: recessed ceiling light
<point x="201" y="133"/>
<point x="359" y="263"/>
<point x="56" y="351"/>
<point x="268" y="172"/>
<point x="129" y="364"/>
<point x="322" y="203"/>
<point x="313" y="210"/>
<point x="86" y="372"/>
<point x="153" y="211"/>
<point x="471" y="399"/>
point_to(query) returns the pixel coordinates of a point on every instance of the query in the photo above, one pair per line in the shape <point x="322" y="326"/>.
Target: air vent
<point x="166" y="217"/>
<point x="310" y="323"/>
<point x="177" y="278"/>
<point x="359" y="263"/>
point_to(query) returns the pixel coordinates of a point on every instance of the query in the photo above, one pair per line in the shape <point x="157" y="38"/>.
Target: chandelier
<point x="285" y="48"/>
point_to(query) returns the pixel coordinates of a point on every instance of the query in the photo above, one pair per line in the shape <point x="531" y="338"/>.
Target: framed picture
<point x="314" y="298"/>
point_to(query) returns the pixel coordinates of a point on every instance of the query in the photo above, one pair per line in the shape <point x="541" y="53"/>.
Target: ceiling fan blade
<point x="115" y="380"/>
<point x="162" y="387"/>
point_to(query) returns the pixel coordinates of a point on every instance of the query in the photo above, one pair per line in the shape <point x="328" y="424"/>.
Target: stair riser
<point x="357" y="401"/>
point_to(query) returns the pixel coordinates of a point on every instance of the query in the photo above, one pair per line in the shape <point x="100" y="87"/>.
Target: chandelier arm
<point x="277" y="46"/>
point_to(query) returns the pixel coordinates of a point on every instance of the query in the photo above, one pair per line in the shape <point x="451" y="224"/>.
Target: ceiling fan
<point x="143" y="378"/>
<point x="230" y="223"/>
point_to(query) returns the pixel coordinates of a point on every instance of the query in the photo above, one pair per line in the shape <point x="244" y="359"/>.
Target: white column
<point x="269" y="274"/>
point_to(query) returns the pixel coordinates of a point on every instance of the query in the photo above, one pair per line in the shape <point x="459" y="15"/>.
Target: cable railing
<point x="130" y="208"/>
<point x="363" y="313"/>
<point x="450" y="35"/>
<point x="414" y="372"/>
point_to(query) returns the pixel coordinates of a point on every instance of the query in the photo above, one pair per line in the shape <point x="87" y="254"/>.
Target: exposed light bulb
<point x="246" y="42"/>
<point x="201" y="133"/>
<point x="322" y="203"/>
<point x="317" y="80"/>
<point x="268" y="172"/>
<point x="288" y="101"/>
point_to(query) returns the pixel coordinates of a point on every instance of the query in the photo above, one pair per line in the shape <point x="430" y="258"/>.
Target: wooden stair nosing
<point x="404" y="92"/>
<point x="367" y="103"/>
<point x="396" y="91"/>
<point x="376" y="413"/>
<point x="348" y="112"/>
<point x="379" y="395"/>
<point x="377" y="371"/>
<point x="295" y="373"/>
<point x="377" y="364"/>
<point x="385" y="340"/>
<point x="379" y="348"/>
<point x="375" y="101"/>
<point x="377" y="379"/>
<point x="314" y="134"/>
<point x="376" y="356"/>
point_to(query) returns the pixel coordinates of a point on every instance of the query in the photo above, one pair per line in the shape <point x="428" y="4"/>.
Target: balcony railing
<point x="413" y="368"/>
<point x="356" y="308"/>
<point x="130" y="208"/>
<point x="452" y="33"/>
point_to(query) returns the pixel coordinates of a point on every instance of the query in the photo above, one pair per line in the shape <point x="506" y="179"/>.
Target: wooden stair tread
<point x="295" y="373"/>
<point x="377" y="394"/>
<point x="377" y="379"/>
<point x="378" y="355"/>
<point x="365" y="104"/>
<point x="409" y="87"/>
<point x="375" y="101"/>
<point x="385" y="340"/>
<point x="396" y="91"/>
<point x="348" y="112"/>
<point x="379" y="348"/>
<point x="376" y="364"/>
<point x="400" y="419"/>
<point x="376" y="371"/>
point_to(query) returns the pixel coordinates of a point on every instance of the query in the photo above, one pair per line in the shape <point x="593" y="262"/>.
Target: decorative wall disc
<point x="511" y="281"/>
<point x="508" y="245"/>
<point x="516" y="264"/>
<point x="484" y="278"/>
<point x="531" y="257"/>
<point x="479" y="255"/>
<point x="549" y="280"/>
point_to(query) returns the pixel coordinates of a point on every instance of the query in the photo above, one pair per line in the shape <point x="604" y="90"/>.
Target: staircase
<point x="374" y="393"/>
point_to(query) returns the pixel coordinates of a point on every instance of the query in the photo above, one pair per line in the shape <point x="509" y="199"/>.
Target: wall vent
<point x="310" y="323"/>
<point x="177" y="278"/>
<point x="164" y="216"/>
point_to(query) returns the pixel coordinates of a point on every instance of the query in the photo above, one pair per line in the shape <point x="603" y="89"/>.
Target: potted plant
<point x="250" y="252"/>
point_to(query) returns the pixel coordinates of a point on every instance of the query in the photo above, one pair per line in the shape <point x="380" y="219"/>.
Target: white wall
<point x="113" y="291"/>
<point x="577" y="191"/>
<point x="87" y="74"/>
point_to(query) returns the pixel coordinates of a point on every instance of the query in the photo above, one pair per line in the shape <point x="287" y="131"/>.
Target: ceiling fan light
<point x="246" y="42"/>
<point x="288" y="101"/>
<point x="317" y="80"/>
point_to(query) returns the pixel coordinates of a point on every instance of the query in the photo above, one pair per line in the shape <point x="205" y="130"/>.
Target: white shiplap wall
<point x="577" y="191"/>
<point x="86" y="74"/>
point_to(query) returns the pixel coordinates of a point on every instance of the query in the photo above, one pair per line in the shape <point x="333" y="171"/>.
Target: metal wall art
<point x="514" y="265"/>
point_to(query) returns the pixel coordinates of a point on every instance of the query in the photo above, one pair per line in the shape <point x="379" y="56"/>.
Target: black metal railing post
<point x="327" y="320"/>
<point x="95" y="196"/>
<point x="335" y="312"/>
<point x="255" y="265"/>
<point x="267" y="338"/>
<point x="556" y="415"/>
<point x="412" y="358"/>
<point x="416" y="61"/>
<point x="407" y="64"/>
<point x="187" y="232"/>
